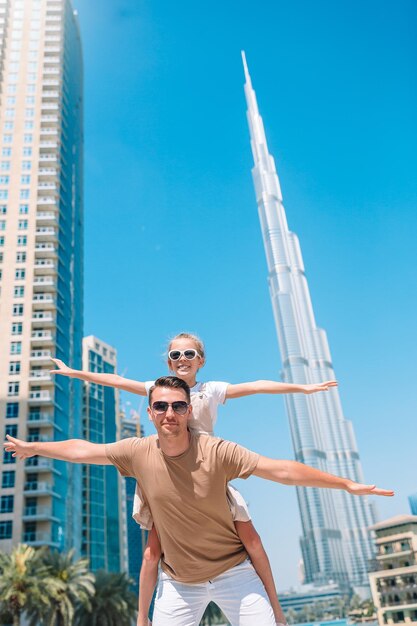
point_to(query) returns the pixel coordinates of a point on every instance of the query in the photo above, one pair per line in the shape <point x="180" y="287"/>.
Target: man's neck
<point x="174" y="446"/>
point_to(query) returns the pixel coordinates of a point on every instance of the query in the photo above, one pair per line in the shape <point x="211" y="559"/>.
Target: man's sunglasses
<point x="190" y="354"/>
<point x="179" y="406"/>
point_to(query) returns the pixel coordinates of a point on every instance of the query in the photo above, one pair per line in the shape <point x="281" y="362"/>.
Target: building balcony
<point x="44" y="266"/>
<point x="40" y="397"/>
<point x="45" y="233"/>
<point x="38" y="514"/>
<point x="40" y="376"/>
<point x="42" y="319"/>
<point x="51" y="51"/>
<point x="41" y="418"/>
<point x="47" y="146"/>
<point x="39" y="488"/>
<point x="46" y="283"/>
<point x="50" y="119"/>
<point x="52" y="82"/>
<point x="41" y="356"/>
<point x="48" y="250"/>
<point x="37" y="464"/>
<point x="46" y="217"/>
<point x="50" y="172"/>
<point x="49" y="106"/>
<point x="50" y="201"/>
<point x="39" y="539"/>
<point x="47" y="185"/>
<point x="42" y="337"/>
<point x="44" y="300"/>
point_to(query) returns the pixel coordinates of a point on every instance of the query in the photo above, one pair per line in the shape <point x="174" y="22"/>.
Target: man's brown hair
<point x="171" y="382"/>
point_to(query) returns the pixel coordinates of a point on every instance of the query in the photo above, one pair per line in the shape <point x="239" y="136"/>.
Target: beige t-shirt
<point x="187" y="498"/>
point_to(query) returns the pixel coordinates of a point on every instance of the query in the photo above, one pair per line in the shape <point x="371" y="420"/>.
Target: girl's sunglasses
<point x="180" y="407"/>
<point x="190" y="354"/>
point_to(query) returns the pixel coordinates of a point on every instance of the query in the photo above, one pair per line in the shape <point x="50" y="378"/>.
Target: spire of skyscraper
<point x="336" y="543"/>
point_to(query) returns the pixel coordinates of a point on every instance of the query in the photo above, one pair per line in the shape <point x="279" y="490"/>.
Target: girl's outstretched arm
<point x="271" y="386"/>
<point x="109" y="380"/>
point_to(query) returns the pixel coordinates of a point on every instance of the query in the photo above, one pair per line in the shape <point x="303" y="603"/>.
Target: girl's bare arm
<point x="109" y="380"/>
<point x="271" y="386"/>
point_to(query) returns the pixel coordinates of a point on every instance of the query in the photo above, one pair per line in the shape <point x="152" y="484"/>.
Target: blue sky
<point x="172" y="238"/>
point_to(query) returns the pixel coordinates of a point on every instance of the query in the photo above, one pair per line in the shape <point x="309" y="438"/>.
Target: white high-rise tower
<point x="335" y="542"/>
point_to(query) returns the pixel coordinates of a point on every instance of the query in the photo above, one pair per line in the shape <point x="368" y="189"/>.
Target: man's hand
<point x="356" y="489"/>
<point x="319" y="386"/>
<point x="63" y="369"/>
<point x="18" y="448"/>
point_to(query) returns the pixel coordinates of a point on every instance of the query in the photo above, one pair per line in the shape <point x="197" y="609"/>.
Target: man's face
<point x="169" y="423"/>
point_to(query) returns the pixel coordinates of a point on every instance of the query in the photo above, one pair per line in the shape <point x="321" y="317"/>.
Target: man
<point x="183" y="477"/>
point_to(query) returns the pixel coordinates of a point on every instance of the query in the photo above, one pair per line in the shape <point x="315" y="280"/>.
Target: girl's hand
<point x="319" y="387"/>
<point x="63" y="369"/>
<point x="357" y="489"/>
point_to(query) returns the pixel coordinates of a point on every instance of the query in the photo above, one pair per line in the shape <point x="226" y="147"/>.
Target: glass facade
<point x="413" y="503"/>
<point x="101" y="532"/>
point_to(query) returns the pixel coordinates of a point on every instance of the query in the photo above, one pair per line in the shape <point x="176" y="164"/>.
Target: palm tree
<point x="113" y="604"/>
<point x="75" y="586"/>
<point x="25" y="583"/>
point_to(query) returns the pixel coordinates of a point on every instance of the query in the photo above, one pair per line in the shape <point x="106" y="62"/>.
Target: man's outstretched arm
<point x="293" y="473"/>
<point x="72" y="450"/>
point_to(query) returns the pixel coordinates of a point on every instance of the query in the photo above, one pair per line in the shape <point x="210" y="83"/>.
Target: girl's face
<point x="185" y="368"/>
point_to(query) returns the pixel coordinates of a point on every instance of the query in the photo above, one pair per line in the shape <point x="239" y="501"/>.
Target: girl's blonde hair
<point x="198" y="343"/>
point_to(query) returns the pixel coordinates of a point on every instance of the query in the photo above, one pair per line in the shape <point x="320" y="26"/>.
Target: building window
<point x="8" y="126"/>
<point x="24" y="209"/>
<point x="6" y="504"/>
<point x="8" y="479"/>
<point x="20" y="274"/>
<point x="17" y="328"/>
<point x="7" y="138"/>
<point x="4" y="180"/>
<point x="2" y="224"/>
<point x="6" y="152"/>
<point x="1" y="241"/>
<point x="24" y="194"/>
<point x="25" y="180"/>
<point x="20" y="257"/>
<point x="23" y="224"/>
<point x="27" y="152"/>
<point x="11" y="429"/>
<point x="29" y="112"/>
<point x="12" y="409"/>
<point x="13" y="389"/>
<point x="3" y="209"/>
<point x="5" y="165"/>
<point x="26" y="165"/>
<point x="1" y="257"/>
<point x="14" y="368"/>
<point x="8" y="459"/>
<point x="27" y="138"/>
<point x="6" y="529"/>
<point x="4" y="194"/>
<point x="16" y="347"/>
<point x="17" y="310"/>
<point x="19" y="292"/>
<point x="30" y="100"/>
<point x="22" y="240"/>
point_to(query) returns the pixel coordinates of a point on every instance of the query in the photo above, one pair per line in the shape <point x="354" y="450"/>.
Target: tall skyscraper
<point x="336" y="543"/>
<point x="101" y="532"/>
<point x="41" y="264"/>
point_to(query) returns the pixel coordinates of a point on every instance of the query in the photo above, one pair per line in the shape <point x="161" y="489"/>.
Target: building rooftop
<point x="397" y="520"/>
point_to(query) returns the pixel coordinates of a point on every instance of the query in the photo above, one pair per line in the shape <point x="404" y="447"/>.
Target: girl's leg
<point x="148" y="576"/>
<point x="253" y="545"/>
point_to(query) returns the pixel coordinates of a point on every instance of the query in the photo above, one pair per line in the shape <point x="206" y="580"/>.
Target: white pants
<point x="238" y="592"/>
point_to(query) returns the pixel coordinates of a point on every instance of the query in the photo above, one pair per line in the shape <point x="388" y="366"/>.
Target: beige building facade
<point x="394" y="579"/>
<point x="41" y="256"/>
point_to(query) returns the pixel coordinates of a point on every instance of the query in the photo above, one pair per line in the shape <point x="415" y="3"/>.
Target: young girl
<point x="186" y="355"/>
